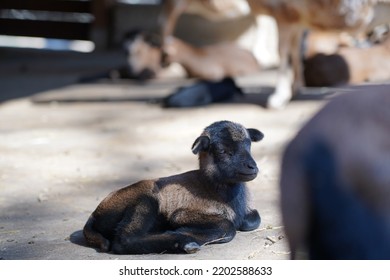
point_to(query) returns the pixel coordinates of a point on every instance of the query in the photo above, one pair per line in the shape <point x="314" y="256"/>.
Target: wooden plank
<point x="46" y="29"/>
<point x="48" y="5"/>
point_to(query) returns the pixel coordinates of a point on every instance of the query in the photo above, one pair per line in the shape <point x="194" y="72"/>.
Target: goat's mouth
<point x="247" y="176"/>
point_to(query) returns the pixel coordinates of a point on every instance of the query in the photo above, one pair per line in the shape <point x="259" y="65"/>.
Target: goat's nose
<point x="251" y="165"/>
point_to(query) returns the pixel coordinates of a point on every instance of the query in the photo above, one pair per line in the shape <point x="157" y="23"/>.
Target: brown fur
<point x="368" y="64"/>
<point x="213" y="62"/>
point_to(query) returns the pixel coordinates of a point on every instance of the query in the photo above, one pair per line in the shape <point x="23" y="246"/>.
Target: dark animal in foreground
<point x="335" y="183"/>
<point x="180" y="213"/>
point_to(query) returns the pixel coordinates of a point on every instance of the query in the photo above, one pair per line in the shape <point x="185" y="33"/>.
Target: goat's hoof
<point x="191" y="247"/>
<point x="277" y="102"/>
<point x="105" y="246"/>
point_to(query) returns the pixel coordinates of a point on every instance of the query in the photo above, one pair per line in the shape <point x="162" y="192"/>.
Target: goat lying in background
<point x="178" y="214"/>
<point x="349" y="65"/>
<point x="210" y="63"/>
<point x="335" y="180"/>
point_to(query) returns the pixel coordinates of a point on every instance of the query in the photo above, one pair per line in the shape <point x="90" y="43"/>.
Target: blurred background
<point x="87" y="25"/>
<point x="89" y="34"/>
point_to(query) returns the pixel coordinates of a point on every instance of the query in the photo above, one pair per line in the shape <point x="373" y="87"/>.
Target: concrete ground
<point x="65" y="146"/>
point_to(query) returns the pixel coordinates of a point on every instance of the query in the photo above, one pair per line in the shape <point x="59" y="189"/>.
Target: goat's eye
<point x="224" y="152"/>
<point x="220" y="151"/>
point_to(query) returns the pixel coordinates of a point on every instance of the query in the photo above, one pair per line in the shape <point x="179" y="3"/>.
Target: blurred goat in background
<point x="329" y="64"/>
<point x="292" y="18"/>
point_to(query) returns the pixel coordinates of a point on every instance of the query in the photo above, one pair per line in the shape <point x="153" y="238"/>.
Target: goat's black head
<point x="224" y="152"/>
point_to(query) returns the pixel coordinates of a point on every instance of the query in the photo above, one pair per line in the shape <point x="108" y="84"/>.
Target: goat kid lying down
<point x="180" y="213"/>
<point x="335" y="180"/>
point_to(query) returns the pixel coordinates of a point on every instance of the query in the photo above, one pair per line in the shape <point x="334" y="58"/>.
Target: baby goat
<point x="335" y="183"/>
<point x="180" y="213"/>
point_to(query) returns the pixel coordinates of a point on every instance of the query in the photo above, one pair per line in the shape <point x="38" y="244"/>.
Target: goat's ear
<point x="201" y="144"/>
<point x="255" y="134"/>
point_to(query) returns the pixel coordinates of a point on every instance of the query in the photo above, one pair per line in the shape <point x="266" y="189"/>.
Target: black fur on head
<point x="224" y="152"/>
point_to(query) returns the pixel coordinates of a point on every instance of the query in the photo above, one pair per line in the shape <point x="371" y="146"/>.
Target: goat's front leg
<point x="296" y="60"/>
<point x="251" y="221"/>
<point x="283" y="91"/>
<point x="169" y="16"/>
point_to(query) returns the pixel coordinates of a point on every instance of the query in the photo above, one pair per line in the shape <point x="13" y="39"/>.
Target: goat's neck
<point x="219" y="183"/>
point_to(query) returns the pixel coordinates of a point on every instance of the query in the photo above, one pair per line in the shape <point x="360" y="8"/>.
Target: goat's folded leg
<point x="203" y="228"/>
<point x="136" y="233"/>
